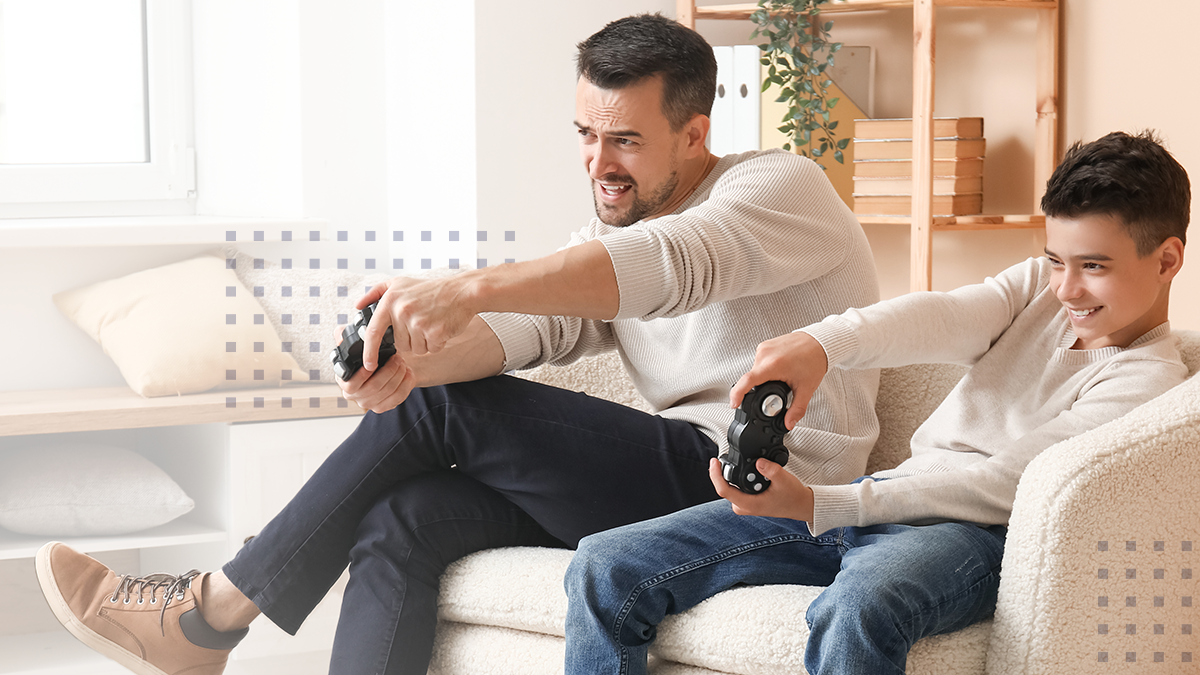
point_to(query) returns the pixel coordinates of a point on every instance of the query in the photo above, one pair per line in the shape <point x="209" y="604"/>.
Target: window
<point x="95" y="108"/>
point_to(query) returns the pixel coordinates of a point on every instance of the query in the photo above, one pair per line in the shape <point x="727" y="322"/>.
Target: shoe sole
<point x="89" y="637"/>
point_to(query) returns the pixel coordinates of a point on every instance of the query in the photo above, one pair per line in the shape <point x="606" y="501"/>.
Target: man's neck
<point x="691" y="175"/>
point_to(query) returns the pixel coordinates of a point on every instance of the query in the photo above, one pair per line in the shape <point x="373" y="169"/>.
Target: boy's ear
<point x="1170" y="258"/>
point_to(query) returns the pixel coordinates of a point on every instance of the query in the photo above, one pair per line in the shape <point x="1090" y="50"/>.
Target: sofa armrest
<point x="1097" y="567"/>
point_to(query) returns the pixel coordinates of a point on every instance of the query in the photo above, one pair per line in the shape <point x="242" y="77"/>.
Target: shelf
<point x="53" y="653"/>
<point x="922" y="223"/>
<point x="59" y="653"/>
<point x="965" y="223"/>
<point x="743" y="10"/>
<point x="101" y="408"/>
<point x="150" y="230"/>
<point x="15" y="546"/>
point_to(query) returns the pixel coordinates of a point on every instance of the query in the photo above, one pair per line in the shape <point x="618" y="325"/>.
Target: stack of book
<point x="883" y="167"/>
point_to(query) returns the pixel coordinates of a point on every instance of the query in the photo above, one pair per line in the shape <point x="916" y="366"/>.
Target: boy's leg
<point x="575" y="463"/>
<point x="622" y="583"/>
<point x="898" y="584"/>
<point x="389" y="610"/>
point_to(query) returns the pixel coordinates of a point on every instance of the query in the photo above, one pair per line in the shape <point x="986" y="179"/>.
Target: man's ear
<point x="1170" y="258"/>
<point x="697" y="133"/>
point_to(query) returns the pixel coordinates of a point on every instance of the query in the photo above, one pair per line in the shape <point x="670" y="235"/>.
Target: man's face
<point x="1112" y="295"/>
<point x="629" y="150"/>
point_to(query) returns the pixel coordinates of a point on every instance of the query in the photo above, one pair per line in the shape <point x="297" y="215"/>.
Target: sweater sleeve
<point x="530" y="340"/>
<point x="983" y="492"/>
<point x="770" y="221"/>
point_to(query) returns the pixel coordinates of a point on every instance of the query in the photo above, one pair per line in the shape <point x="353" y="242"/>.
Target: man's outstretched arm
<point x="426" y="315"/>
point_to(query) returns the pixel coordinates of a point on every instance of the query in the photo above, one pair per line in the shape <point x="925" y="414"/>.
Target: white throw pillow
<point x="72" y="490"/>
<point x="182" y="328"/>
<point x="305" y="305"/>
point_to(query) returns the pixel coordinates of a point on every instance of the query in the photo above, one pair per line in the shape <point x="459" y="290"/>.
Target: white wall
<point x="530" y="178"/>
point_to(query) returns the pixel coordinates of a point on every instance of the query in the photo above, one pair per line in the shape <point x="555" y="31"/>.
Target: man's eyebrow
<point x="621" y="133"/>
<point x="1086" y="256"/>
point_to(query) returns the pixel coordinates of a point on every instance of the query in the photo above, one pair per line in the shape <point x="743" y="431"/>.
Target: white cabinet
<point x="238" y="470"/>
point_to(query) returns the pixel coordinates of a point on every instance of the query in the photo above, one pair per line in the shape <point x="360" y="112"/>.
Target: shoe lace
<point x="173" y="588"/>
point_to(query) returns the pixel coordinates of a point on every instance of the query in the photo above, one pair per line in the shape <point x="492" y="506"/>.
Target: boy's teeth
<point x="1081" y="312"/>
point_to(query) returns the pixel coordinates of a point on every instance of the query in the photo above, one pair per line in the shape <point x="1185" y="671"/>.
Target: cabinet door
<point x="269" y="462"/>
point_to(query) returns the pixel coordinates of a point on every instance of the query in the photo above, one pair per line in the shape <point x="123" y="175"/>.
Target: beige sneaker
<point x="151" y="625"/>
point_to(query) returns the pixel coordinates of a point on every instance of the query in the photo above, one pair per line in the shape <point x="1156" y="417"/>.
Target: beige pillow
<point x="182" y="328"/>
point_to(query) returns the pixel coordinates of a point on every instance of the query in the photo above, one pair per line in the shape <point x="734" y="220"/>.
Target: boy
<point x="1057" y="346"/>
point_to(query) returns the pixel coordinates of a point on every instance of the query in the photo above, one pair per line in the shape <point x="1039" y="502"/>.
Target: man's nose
<point x="600" y="162"/>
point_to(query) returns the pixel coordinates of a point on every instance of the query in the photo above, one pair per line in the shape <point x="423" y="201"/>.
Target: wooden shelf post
<point x="921" y="232"/>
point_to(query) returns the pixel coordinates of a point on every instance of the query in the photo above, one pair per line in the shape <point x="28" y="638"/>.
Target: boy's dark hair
<point x="1133" y="178"/>
<point x="629" y="50"/>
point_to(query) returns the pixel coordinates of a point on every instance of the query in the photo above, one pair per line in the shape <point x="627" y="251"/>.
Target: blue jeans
<point x="888" y="585"/>
<point x="454" y="470"/>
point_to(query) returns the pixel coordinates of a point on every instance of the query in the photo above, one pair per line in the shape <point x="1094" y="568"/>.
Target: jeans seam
<point x="635" y="594"/>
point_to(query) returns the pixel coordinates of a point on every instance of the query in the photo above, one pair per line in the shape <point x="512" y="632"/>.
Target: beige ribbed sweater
<point x="763" y="245"/>
<point x="1026" y="390"/>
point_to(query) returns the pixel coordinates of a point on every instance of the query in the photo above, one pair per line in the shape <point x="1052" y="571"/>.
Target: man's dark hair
<point x="1132" y="178"/>
<point x="629" y="50"/>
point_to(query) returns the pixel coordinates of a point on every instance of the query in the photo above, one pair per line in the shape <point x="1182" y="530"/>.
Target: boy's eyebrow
<point x="622" y="133"/>
<point x="1086" y="256"/>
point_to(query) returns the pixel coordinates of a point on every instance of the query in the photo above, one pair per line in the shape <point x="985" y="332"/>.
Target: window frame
<point x="164" y="185"/>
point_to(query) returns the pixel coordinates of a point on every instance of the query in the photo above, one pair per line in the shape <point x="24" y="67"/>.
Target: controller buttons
<point x="772" y="405"/>
<point x="758" y="487"/>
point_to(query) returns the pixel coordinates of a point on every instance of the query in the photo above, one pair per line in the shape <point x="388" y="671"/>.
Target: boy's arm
<point x="983" y="492"/>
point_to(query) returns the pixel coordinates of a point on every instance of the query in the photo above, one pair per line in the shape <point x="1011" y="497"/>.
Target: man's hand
<point x="381" y="390"/>
<point x="787" y="497"/>
<point x="424" y="314"/>
<point x="796" y="359"/>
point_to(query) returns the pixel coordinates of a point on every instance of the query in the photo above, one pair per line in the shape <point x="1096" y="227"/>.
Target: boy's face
<point x="1112" y="296"/>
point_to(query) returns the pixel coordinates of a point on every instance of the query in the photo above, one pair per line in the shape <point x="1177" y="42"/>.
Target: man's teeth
<point x="1080" y="313"/>
<point x="613" y="189"/>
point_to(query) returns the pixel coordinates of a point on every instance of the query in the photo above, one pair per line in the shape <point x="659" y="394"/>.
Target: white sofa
<point x="1097" y="572"/>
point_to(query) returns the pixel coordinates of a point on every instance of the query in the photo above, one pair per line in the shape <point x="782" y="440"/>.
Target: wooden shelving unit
<point x="923" y="223"/>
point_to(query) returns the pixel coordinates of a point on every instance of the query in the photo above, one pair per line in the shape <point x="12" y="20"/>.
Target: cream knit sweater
<point x="762" y="246"/>
<point x="1026" y="390"/>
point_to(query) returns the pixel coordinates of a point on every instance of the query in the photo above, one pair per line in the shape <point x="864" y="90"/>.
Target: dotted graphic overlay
<point x="1145" y="610"/>
<point x="306" y="284"/>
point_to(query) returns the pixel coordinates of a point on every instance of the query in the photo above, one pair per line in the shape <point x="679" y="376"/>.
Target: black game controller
<point x="757" y="431"/>
<point x="347" y="356"/>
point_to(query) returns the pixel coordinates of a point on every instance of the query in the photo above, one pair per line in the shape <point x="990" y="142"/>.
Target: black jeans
<point x="454" y="470"/>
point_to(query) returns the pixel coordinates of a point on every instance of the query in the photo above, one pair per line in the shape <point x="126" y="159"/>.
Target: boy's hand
<point x="786" y="498"/>
<point x="798" y="360"/>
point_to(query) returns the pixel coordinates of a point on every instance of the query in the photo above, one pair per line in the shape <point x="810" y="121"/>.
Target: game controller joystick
<point x="347" y="356"/>
<point x="757" y="431"/>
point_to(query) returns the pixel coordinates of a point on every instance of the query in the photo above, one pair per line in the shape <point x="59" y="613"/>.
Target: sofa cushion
<point x="516" y="595"/>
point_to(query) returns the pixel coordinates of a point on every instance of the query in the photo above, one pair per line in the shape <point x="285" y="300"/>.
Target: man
<point x="692" y="261"/>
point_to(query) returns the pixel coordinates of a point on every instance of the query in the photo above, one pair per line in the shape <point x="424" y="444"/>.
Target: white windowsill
<point x="153" y="230"/>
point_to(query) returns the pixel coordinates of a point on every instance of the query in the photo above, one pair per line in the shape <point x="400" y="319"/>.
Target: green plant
<point x="797" y="54"/>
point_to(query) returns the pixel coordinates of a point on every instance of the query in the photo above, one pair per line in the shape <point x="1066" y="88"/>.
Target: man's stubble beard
<point x="641" y="207"/>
